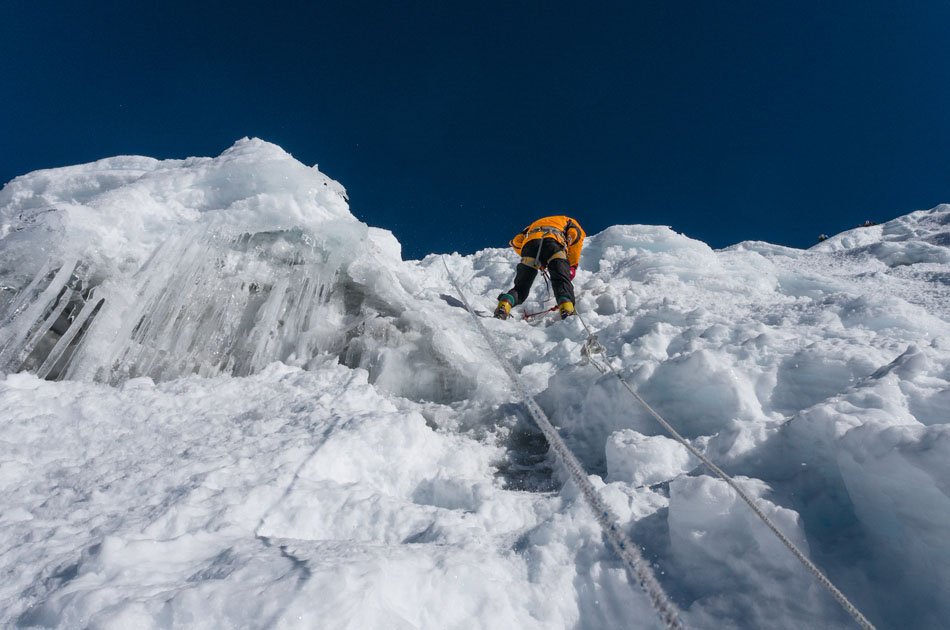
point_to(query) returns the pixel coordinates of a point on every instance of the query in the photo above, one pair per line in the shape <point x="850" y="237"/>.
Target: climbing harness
<point x="535" y="261"/>
<point x="546" y="230"/>
<point x="592" y="346"/>
<point x="625" y="548"/>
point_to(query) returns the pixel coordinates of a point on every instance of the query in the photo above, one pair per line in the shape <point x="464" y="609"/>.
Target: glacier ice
<point x="225" y="400"/>
<point x="165" y="268"/>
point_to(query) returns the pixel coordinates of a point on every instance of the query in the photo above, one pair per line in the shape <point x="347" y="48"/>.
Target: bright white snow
<point x="255" y="414"/>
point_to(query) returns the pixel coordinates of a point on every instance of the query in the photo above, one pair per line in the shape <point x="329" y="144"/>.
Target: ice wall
<point x="820" y="378"/>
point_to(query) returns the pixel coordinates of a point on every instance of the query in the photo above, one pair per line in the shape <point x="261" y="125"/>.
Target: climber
<point x="554" y="243"/>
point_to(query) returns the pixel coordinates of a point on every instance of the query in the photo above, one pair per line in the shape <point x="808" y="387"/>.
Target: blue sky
<point x="456" y="125"/>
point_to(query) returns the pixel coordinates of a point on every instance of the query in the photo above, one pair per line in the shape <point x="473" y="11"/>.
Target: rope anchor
<point x="591" y="348"/>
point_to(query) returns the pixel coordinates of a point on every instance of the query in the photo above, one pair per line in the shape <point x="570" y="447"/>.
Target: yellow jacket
<point x="564" y="230"/>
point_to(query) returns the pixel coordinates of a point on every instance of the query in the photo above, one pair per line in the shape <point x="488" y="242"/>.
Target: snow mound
<point x="918" y="237"/>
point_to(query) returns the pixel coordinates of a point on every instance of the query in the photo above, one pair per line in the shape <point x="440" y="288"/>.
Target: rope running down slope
<point x="814" y="570"/>
<point x="625" y="548"/>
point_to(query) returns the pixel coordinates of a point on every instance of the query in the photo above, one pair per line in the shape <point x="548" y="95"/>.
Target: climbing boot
<point x="566" y="309"/>
<point x="505" y="302"/>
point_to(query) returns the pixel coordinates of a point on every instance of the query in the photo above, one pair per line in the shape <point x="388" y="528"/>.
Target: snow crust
<point x="226" y="402"/>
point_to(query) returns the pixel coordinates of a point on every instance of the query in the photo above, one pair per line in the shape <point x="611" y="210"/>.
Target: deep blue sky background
<point x="454" y="125"/>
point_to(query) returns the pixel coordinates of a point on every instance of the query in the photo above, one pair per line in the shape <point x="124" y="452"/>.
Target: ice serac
<point x="131" y="266"/>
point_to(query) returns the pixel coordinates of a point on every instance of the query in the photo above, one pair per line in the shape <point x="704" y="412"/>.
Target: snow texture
<point x="226" y="402"/>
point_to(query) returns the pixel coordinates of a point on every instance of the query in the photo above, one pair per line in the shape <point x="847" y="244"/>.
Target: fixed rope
<point x="593" y="346"/>
<point x="625" y="548"/>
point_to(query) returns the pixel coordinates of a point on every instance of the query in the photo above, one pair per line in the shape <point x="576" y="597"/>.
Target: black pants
<point x="559" y="270"/>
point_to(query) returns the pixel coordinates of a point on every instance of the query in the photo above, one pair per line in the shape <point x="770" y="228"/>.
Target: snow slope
<point x="229" y="403"/>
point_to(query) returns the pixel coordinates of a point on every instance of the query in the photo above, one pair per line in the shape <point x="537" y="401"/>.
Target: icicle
<point x="24" y="296"/>
<point x="23" y="331"/>
<point x="75" y="335"/>
<point x="71" y="333"/>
